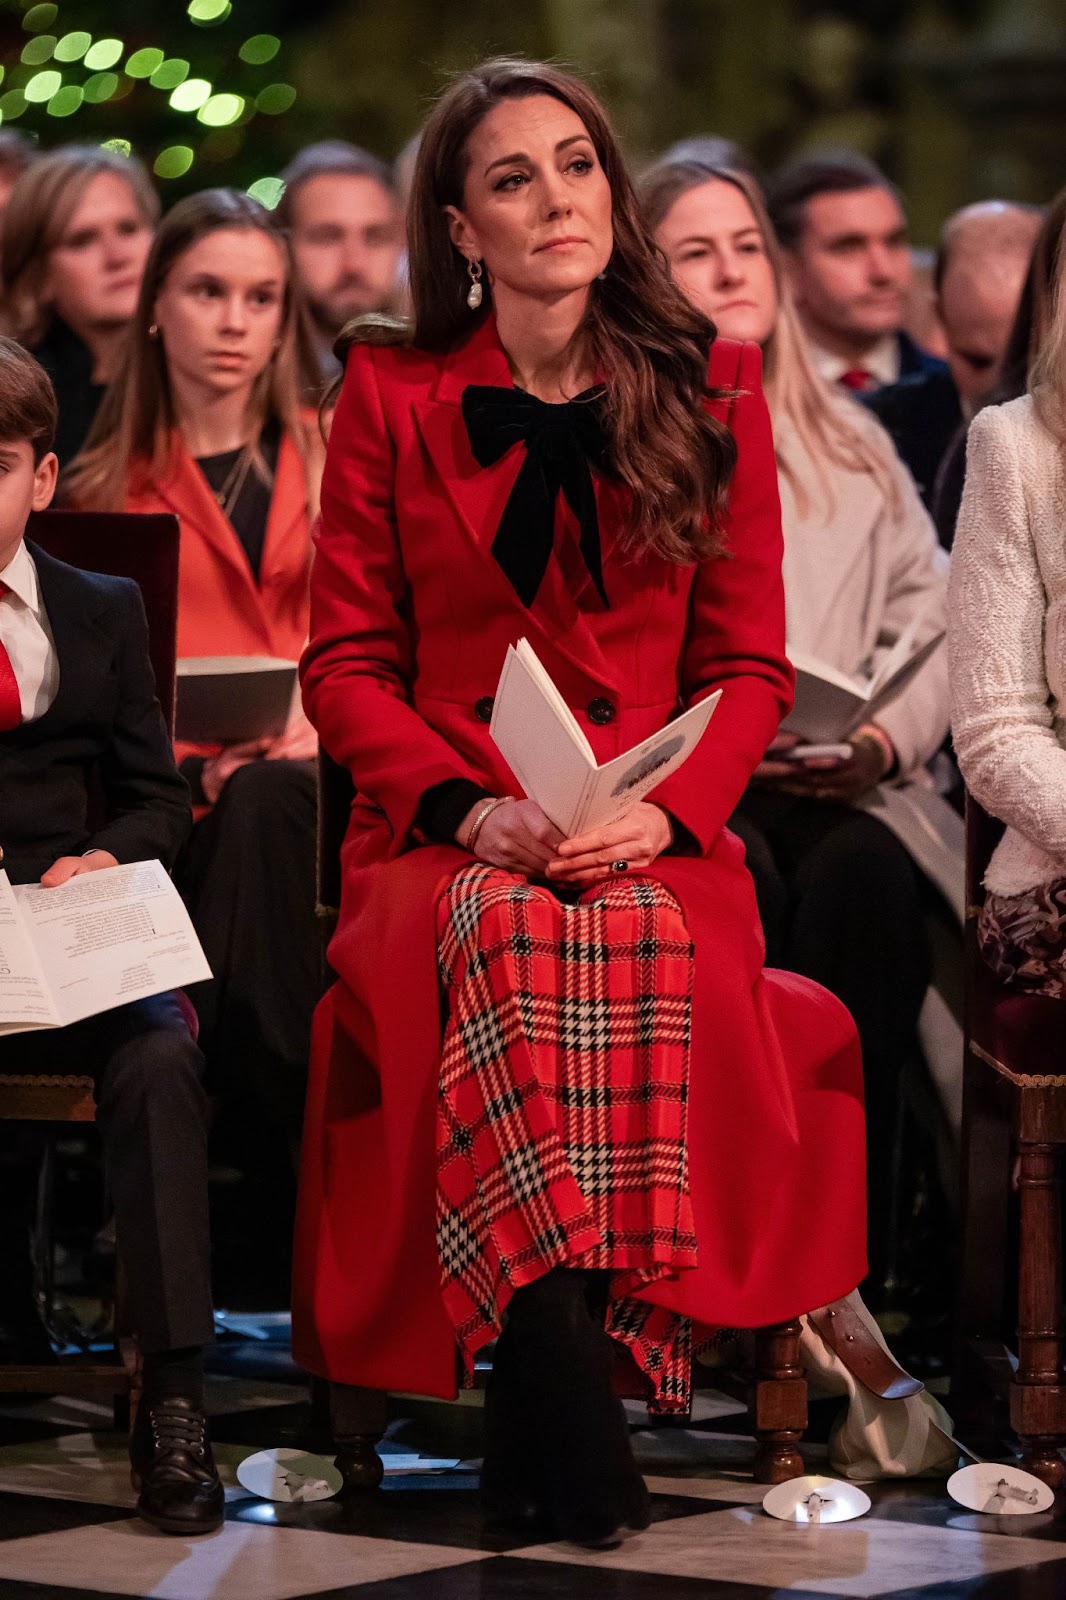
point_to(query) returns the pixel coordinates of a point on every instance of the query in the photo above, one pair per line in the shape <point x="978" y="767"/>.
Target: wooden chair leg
<point x="357" y="1422"/>
<point x="1038" y="1395"/>
<point x="779" y="1403"/>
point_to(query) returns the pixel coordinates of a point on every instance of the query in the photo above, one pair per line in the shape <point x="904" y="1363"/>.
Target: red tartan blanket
<point x="561" y="1131"/>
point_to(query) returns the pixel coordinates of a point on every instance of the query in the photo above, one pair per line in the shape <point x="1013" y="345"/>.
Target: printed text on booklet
<point x="98" y="941"/>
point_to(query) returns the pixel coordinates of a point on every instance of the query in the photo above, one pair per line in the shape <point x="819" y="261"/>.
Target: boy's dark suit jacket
<point x="97" y="770"/>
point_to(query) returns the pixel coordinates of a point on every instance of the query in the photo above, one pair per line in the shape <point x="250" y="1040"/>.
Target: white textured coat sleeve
<point x="1004" y="734"/>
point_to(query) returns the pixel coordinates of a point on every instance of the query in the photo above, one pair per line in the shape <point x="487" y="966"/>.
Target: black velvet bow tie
<point x="560" y="442"/>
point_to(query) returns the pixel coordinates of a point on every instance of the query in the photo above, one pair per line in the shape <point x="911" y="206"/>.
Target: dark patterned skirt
<point x="1022" y="937"/>
<point x="561" y="1131"/>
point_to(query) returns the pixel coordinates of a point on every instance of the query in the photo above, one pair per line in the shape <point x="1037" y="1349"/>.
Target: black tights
<point x="556" y="1434"/>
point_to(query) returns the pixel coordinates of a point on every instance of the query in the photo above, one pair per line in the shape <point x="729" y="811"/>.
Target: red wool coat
<point x="411" y="617"/>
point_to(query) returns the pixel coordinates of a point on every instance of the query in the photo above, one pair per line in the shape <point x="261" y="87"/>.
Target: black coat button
<point x="601" y="711"/>
<point x="483" y="708"/>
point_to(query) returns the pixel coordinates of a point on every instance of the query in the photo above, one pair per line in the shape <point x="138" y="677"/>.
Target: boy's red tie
<point x="10" y="700"/>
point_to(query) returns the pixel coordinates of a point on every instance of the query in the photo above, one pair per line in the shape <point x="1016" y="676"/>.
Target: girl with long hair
<point x="606" y="1140"/>
<point x="840" y="892"/>
<point x="77" y="230"/>
<point x="204" y="420"/>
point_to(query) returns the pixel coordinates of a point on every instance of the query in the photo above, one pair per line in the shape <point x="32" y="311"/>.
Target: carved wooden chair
<point x="144" y="548"/>
<point x="776" y="1386"/>
<point x="1014" y="1131"/>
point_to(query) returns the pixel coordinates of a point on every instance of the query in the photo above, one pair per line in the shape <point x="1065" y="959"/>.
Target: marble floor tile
<point x="13" y="1590"/>
<point x="513" y="1578"/>
<point x="90" y="1467"/>
<point x="859" y="1561"/>
<point x="243" y="1561"/>
<point x="226" y="1394"/>
<point x="737" y="1489"/>
<point x="704" y="1455"/>
<point x="23" y="1515"/>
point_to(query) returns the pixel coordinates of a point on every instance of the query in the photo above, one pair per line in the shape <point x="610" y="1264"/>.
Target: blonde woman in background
<point x="842" y="895"/>
<point x="77" y="231"/>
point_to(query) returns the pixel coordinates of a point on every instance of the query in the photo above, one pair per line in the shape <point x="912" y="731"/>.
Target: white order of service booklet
<point x="540" y="739"/>
<point x="98" y="941"/>
<point x="830" y="705"/>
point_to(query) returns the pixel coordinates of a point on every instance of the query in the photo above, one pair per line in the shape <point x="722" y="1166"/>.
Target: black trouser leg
<point x="856" y="924"/>
<point x="248" y="878"/>
<point x="152" y="1116"/>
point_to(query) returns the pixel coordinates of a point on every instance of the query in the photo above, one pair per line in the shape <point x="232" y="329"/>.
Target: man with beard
<point x="341" y="209"/>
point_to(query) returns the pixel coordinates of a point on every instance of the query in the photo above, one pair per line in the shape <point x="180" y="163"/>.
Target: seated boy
<point x="78" y="713"/>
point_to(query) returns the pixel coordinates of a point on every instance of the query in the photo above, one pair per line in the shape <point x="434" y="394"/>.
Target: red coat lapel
<point x="185" y="489"/>
<point x="478" y="495"/>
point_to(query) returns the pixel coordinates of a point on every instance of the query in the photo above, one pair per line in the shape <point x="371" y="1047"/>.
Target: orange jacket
<point x="221" y="608"/>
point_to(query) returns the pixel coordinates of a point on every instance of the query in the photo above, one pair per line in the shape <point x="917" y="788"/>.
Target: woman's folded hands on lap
<point x="518" y="836"/>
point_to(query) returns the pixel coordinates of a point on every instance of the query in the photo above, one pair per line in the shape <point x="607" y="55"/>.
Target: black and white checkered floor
<point x="67" y="1527"/>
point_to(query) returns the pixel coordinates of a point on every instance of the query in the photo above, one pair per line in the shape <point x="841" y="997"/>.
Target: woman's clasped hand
<point x="518" y="836"/>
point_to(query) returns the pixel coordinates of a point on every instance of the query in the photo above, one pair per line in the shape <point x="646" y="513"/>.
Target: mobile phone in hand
<point x="816" y="752"/>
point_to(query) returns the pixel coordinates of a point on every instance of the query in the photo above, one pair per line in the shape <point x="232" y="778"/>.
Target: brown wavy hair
<point x="650" y="344"/>
<point x="136" y="420"/>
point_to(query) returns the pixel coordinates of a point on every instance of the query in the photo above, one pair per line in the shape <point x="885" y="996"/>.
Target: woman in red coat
<point x="632" y="1123"/>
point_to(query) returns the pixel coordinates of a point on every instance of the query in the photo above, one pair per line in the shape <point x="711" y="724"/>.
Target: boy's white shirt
<point x="26" y="635"/>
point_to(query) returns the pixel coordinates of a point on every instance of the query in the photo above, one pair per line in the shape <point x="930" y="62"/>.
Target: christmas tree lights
<point x="184" y="97"/>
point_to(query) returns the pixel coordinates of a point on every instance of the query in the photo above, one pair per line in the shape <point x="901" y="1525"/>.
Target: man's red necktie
<point x="857" y="378"/>
<point x="10" y="699"/>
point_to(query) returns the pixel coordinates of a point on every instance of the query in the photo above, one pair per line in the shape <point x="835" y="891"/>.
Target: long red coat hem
<point x="776" y="1135"/>
<point x="410" y="620"/>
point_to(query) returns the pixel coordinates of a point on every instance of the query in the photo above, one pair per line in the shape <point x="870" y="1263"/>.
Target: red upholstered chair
<point x="776" y="1386"/>
<point x="1013" y="1133"/>
<point x="144" y="548"/>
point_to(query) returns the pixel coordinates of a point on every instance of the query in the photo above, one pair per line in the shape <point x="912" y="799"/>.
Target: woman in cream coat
<point x="835" y="848"/>
<point x="1008" y="664"/>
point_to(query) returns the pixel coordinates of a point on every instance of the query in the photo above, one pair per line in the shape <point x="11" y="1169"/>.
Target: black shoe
<point x="512" y="1474"/>
<point x="565" y="1362"/>
<point x="172" y="1468"/>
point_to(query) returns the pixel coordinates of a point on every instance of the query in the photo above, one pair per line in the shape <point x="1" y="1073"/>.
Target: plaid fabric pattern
<point x="562" y="1108"/>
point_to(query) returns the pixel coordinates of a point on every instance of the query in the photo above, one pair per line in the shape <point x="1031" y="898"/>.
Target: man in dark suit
<point x="87" y="780"/>
<point x="847" y="255"/>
